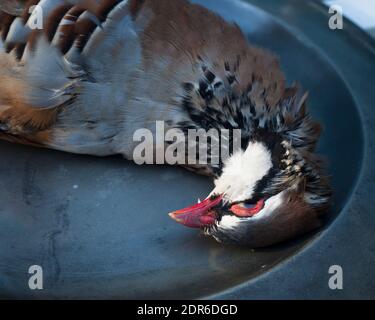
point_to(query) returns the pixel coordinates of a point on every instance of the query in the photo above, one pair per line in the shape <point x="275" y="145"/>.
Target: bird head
<point x="274" y="187"/>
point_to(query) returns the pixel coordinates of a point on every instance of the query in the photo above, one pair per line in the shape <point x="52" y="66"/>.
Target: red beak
<point x="199" y="215"/>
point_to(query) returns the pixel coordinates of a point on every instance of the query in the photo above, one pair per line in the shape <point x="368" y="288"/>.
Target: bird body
<point x="99" y="70"/>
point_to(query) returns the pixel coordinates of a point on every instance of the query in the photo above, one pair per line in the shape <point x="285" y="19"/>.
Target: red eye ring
<point x="241" y="211"/>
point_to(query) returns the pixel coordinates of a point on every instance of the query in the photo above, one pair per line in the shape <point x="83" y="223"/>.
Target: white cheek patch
<point x="242" y="172"/>
<point x="270" y="206"/>
<point x="229" y="222"/>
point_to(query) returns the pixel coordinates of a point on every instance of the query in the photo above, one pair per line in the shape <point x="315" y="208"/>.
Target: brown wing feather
<point x="184" y="34"/>
<point x="6" y="21"/>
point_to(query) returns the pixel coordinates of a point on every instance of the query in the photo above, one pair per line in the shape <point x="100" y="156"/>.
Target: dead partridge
<point x="97" y="71"/>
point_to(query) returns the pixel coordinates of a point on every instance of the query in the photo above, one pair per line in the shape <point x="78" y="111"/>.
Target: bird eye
<point x="247" y="209"/>
<point x="247" y="205"/>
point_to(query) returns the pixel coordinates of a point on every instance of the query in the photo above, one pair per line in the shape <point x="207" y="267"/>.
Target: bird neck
<point x="212" y="137"/>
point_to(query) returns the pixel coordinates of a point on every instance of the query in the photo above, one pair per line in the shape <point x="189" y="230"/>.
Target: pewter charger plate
<point x="99" y="226"/>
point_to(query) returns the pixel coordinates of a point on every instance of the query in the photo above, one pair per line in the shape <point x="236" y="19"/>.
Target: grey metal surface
<point x="99" y="226"/>
<point x="360" y="12"/>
